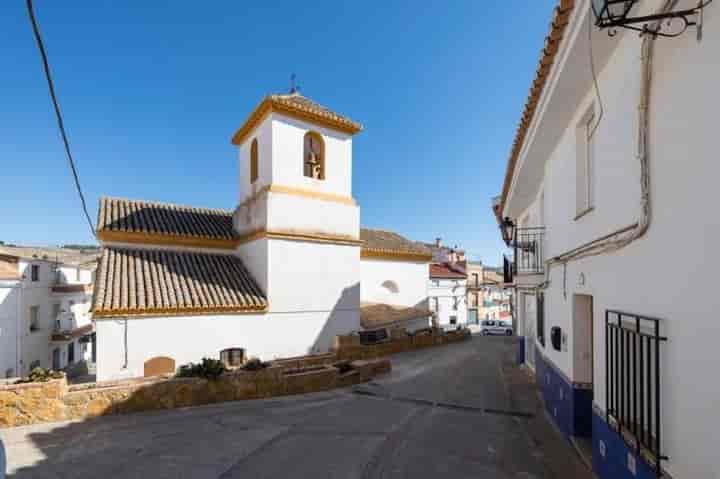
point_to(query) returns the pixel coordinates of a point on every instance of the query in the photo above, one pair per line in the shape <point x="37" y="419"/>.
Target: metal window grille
<point x="632" y="376"/>
<point x="529" y="246"/>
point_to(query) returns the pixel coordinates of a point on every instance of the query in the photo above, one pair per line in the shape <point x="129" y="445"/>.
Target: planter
<point x="310" y="381"/>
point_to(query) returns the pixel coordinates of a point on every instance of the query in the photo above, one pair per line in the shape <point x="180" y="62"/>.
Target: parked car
<point x="490" y="327"/>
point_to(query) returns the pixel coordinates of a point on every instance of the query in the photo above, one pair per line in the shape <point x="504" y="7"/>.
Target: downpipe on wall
<point x="628" y="234"/>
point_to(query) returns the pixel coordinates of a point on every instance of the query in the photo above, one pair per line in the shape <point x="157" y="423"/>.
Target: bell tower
<point x="297" y="222"/>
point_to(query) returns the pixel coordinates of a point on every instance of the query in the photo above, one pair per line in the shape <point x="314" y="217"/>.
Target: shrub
<point x="208" y="369"/>
<point x="40" y="375"/>
<point x="254" y="364"/>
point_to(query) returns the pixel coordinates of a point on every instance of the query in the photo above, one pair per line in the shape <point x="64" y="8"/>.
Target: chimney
<point x="438" y="242"/>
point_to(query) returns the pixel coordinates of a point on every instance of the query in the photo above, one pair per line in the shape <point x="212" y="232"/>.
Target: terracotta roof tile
<point x="297" y="106"/>
<point x="135" y="216"/>
<point x="167" y="219"/>
<point x="390" y="241"/>
<point x="446" y="271"/>
<point x="162" y="282"/>
<point x="299" y="101"/>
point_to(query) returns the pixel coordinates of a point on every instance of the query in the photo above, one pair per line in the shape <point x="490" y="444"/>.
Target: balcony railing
<point x="529" y="245"/>
<point x="632" y="376"/>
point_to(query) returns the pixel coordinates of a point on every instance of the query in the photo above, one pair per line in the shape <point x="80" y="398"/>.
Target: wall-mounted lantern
<point x="613" y="14"/>
<point x="507" y="228"/>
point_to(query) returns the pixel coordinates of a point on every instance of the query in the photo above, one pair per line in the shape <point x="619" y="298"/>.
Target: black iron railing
<point x="632" y="375"/>
<point x="529" y="248"/>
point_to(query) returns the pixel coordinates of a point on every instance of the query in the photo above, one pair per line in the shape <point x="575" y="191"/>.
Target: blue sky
<point x="151" y="93"/>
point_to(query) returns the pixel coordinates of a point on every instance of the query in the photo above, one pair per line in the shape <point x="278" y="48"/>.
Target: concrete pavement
<point x="458" y="411"/>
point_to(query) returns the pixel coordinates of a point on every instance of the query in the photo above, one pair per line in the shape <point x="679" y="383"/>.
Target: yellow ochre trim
<point x="100" y="314"/>
<point x="395" y="255"/>
<point x="301" y="192"/>
<point x="270" y="105"/>
<point x="300" y="236"/>
<point x="166" y="239"/>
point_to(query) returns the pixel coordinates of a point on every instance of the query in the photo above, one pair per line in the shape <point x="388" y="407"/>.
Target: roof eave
<point x="268" y="105"/>
<point x="558" y="27"/>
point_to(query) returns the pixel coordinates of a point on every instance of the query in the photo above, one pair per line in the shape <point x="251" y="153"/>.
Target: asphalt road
<point x="457" y="411"/>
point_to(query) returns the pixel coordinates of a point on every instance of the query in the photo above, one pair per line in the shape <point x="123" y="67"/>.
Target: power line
<point x="61" y="125"/>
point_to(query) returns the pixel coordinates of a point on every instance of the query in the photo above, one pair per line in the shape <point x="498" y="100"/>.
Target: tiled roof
<point x="166" y="219"/>
<point x="136" y="217"/>
<point x="379" y="315"/>
<point x="299" y="106"/>
<point x="547" y="59"/>
<point x="296" y="100"/>
<point x="390" y="241"/>
<point x="447" y="271"/>
<point x="162" y="282"/>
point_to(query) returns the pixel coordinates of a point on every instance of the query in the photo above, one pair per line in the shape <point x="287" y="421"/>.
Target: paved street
<point x="459" y="411"/>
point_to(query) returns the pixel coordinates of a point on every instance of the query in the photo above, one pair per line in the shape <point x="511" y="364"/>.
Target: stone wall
<point x="30" y="403"/>
<point x="23" y="404"/>
<point x="349" y="347"/>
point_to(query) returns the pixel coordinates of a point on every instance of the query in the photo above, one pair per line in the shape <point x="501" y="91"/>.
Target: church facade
<point x="280" y="275"/>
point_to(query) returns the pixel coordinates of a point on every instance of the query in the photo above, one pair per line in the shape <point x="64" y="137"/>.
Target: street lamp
<point x="616" y="13"/>
<point x="507" y="227"/>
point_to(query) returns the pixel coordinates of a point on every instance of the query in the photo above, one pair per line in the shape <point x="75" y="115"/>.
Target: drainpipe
<point x="624" y="236"/>
<point x="18" y="331"/>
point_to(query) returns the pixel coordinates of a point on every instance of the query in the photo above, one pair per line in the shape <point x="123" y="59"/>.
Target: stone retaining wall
<point x="349" y="347"/>
<point x="30" y="403"/>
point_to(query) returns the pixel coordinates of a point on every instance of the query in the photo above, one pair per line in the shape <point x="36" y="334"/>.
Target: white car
<point x="490" y="327"/>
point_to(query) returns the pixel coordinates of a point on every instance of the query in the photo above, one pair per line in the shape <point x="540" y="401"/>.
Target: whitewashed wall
<point x="10" y="301"/>
<point x="194" y="337"/>
<point x="670" y="273"/>
<point x="35" y="344"/>
<point x="287" y="169"/>
<point x="410" y="279"/>
<point x="448" y="291"/>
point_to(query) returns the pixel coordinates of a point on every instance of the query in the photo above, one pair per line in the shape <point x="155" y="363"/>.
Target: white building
<point x="447" y="294"/>
<point x="281" y="275"/>
<point x="445" y="254"/>
<point x="612" y="188"/>
<point x="45" y="297"/>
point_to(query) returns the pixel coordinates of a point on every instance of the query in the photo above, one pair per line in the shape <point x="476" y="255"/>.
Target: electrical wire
<point x="58" y="115"/>
<point x="627" y="235"/>
<point x="594" y="77"/>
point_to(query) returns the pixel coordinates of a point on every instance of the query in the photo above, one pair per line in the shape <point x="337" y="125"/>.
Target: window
<point x="584" y="164"/>
<point x="254" y="161"/>
<point x="314" y="156"/>
<point x="35" y="272"/>
<point x="34" y="315"/>
<point x="453" y="319"/>
<point x="55" y="311"/>
<point x="435" y="282"/>
<point x="71" y="352"/>
<point x="540" y="316"/>
<point x="475" y="279"/>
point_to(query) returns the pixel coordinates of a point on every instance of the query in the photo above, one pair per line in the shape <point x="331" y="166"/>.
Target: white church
<point x="280" y="276"/>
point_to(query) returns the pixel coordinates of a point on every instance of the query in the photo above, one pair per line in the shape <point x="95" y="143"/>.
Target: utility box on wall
<point x="556" y="337"/>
